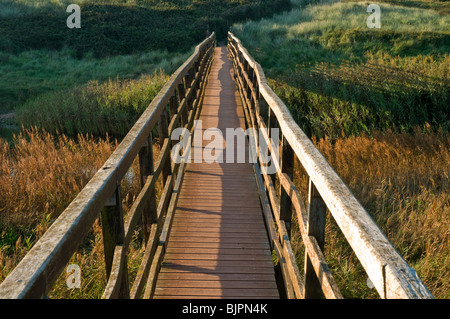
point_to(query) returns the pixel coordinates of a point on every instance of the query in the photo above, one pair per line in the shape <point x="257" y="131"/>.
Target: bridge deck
<point x="218" y="246"/>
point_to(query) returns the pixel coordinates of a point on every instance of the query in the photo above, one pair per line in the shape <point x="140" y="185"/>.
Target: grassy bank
<point x="337" y="76"/>
<point x="118" y="39"/>
<point x="112" y="27"/>
<point x="96" y="108"/>
<point x="29" y="74"/>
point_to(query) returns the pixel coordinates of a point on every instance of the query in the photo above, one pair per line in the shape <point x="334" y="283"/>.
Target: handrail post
<point x="173" y="111"/>
<point x="181" y="96"/>
<point x="113" y="235"/>
<point x="163" y="131"/>
<point x="188" y="84"/>
<point x="316" y="228"/>
<point x="286" y="166"/>
<point x="272" y="124"/>
<point x="146" y="168"/>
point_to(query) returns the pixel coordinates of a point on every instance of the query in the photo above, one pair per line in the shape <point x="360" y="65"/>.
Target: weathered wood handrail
<point x="387" y="270"/>
<point x="177" y="104"/>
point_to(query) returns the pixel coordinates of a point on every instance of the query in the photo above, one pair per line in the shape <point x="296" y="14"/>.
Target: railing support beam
<point x="113" y="235"/>
<point x="316" y="228"/>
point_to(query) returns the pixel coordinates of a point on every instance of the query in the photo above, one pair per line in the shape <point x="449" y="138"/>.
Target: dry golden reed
<point x="41" y="174"/>
<point x="403" y="182"/>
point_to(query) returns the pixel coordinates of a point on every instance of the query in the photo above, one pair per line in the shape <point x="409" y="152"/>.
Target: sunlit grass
<point x="402" y="180"/>
<point x="111" y="107"/>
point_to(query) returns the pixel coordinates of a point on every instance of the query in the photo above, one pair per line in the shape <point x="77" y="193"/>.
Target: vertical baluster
<point x="146" y="170"/>
<point x="263" y="109"/>
<point x="287" y="167"/>
<point x="197" y="74"/>
<point x="316" y="227"/>
<point x="113" y="235"/>
<point x="173" y="110"/>
<point x="163" y="130"/>
<point x="272" y="124"/>
<point x="256" y="98"/>
<point x="181" y="96"/>
<point x="189" y="99"/>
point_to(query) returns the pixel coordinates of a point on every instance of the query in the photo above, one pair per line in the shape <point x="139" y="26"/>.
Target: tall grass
<point x="403" y="182"/>
<point x="384" y="92"/>
<point x="339" y="77"/>
<point x="39" y="176"/>
<point x="29" y="74"/>
<point x="97" y="108"/>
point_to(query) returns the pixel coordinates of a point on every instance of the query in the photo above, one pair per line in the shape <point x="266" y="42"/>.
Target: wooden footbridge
<point x="215" y="229"/>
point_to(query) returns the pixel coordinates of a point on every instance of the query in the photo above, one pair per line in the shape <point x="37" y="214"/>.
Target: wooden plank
<point x="224" y="254"/>
<point x="218" y="270"/>
<point x="212" y="297"/>
<point x="218" y="284"/>
<point x="220" y="235"/>
<point x="144" y="268"/>
<point x="217" y="219"/>
<point x="220" y="230"/>
<point x="221" y="215"/>
<point x="222" y="200"/>
<point x="207" y="207"/>
<point x="237" y="247"/>
<point x="113" y="240"/>
<point x="219" y="276"/>
<point x="207" y="263"/>
<point x="117" y="286"/>
<point x="221" y="292"/>
<point x="223" y="223"/>
<point x="315" y="228"/>
<point x="322" y="272"/>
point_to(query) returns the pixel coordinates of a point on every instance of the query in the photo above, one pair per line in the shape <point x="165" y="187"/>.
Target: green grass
<point x="336" y="32"/>
<point x="31" y="73"/>
<point x="117" y="39"/>
<point x="339" y="77"/>
<point x="123" y="27"/>
<point x="110" y="108"/>
<point x="441" y="6"/>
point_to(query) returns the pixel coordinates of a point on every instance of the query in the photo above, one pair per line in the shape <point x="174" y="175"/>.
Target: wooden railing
<point x="176" y="105"/>
<point x="264" y="110"/>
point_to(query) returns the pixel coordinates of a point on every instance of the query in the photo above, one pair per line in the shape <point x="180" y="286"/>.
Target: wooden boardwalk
<point x="218" y="245"/>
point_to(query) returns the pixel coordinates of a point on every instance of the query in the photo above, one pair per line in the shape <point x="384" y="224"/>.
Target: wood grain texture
<point x="218" y="245"/>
